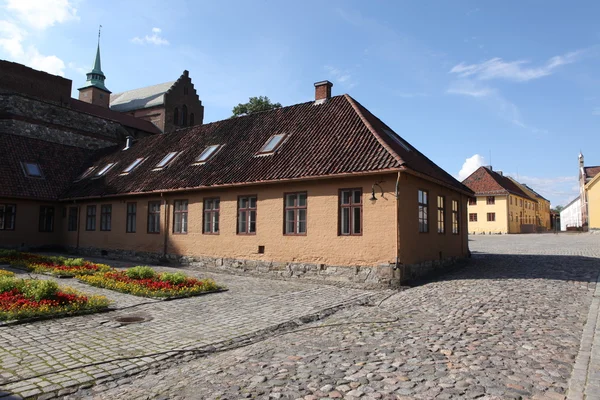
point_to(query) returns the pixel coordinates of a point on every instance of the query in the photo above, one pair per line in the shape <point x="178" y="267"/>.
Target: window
<point x="154" y="217"/>
<point x="455" y="223"/>
<point x="104" y="169"/>
<point x="86" y="173"/>
<point x="423" y="211"/>
<point x="510" y="200"/>
<point x="397" y="139"/>
<point x="176" y="116"/>
<point x="272" y="144"/>
<point x="32" y="170"/>
<point x="511" y="216"/>
<point x="246" y="215"/>
<point x="131" y="221"/>
<point x="90" y="222"/>
<point x="7" y="216"/>
<point x="350" y="218"/>
<point x="491" y="217"/>
<point x="491" y="200"/>
<point x="295" y="213"/>
<point x="184" y="115"/>
<point x="472" y="201"/>
<point x="166" y="160"/>
<point x="46" y="219"/>
<point x="472" y="217"/>
<point x="180" y="216"/>
<point x="441" y="214"/>
<point x="72" y="221"/>
<point x="132" y="166"/>
<point x="207" y="153"/>
<point x="211" y="216"/>
<point x="105" y="217"/>
<point x="520" y="202"/>
<point x="191" y="119"/>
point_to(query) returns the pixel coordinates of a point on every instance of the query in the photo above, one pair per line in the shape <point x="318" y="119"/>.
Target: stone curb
<point x="586" y="371"/>
<point x="184" y="355"/>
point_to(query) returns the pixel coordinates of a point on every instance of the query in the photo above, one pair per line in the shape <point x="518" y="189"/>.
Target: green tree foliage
<point x="254" y="104"/>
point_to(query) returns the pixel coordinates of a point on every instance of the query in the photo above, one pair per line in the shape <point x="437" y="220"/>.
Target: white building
<point x="571" y="215"/>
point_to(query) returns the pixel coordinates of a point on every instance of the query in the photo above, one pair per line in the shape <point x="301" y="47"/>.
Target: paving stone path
<point x="53" y="357"/>
<point x="507" y="326"/>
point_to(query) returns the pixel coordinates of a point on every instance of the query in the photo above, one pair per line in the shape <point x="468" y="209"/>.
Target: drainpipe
<point x="78" y="225"/>
<point x="166" y="227"/>
<point x="396" y="194"/>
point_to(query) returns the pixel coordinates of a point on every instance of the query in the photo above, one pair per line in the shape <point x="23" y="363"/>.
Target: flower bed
<point x="144" y="281"/>
<point x="4" y="273"/>
<point x="56" y="265"/>
<point x="33" y="298"/>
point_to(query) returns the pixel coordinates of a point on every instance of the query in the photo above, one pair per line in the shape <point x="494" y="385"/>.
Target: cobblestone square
<point x="519" y="321"/>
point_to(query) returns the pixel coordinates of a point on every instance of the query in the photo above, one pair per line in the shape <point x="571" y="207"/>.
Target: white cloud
<point x="518" y="71"/>
<point x="469" y="88"/>
<point x="154" y="39"/>
<point x="559" y="190"/>
<point x="12" y="38"/>
<point x="340" y="76"/>
<point x="470" y="165"/>
<point x="42" y="14"/>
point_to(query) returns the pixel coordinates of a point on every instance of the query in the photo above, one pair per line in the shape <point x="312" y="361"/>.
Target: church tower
<point x="94" y="91"/>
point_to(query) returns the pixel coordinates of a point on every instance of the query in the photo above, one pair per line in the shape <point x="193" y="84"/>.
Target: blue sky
<point x="456" y="79"/>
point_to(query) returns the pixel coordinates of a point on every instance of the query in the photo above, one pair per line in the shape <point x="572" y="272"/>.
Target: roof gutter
<point x="229" y="185"/>
<point x="437" y="181"/>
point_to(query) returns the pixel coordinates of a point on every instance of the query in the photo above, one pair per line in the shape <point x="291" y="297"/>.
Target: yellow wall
<point x="26" y="231"/>
<point x="416" y="247"/>
<point x="593" y="196"/>
<point x="500" y="208"/>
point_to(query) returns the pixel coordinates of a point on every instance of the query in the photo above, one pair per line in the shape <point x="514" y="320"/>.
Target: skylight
<point x="207" y="153"/>
<point x="272" y="143"/>
<point x="397" y="139"/>
<point x="32" y="169"/>
<point x="132" y="166"/>
<point x="166" y="160"/>
<point x="105" y="169"/>
<point x="87" y="173"/>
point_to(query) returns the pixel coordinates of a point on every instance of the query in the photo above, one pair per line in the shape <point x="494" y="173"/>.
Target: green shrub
<point x="8" y="253"/>
<point x="173" y="278"/>
<point x="39" y="289"/>
<point x="8" y="283"/>
<point x="74" y="262"/>
<point x="140" y="273"/>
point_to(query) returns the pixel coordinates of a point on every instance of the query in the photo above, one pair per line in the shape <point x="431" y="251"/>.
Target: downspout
<point x="166" y="224"/>
<point x="396" y="194"/>
<point x="78" y="225"/>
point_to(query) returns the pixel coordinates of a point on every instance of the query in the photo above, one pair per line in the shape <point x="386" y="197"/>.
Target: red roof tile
<point x="486" y="181"/>
<point x="591" y="172"/>
<point x="337" y="137"/>
<point x="123" y="119"/>
<point x="59" y="165"/>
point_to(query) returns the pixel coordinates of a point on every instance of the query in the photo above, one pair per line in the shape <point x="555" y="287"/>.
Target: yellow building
<point x="542" y="206"/>
<point x="592" y="193"/>
<point x="499" y="206"/>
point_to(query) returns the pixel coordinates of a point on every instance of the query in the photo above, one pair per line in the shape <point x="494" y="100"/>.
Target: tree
<point x="558" y="209"/>
<point x="254" y="104"/>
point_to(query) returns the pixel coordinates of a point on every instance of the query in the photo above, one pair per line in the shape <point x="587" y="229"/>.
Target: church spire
<point x="95" y="78"/>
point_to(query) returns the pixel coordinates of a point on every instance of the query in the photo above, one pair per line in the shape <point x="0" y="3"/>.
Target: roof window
<point x="207" y="153"/>
<point x="397" y="139"/>
<point x="86" y="173"/>
<point x="272" y="144"/>
<point x="166" y="160"/>
<point x="104" y="169"/>
<point x="32" y="170"/>
<point x="132" y="166"/>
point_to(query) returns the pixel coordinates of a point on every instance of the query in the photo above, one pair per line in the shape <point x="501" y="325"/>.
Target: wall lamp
<point x="373" y="198"/>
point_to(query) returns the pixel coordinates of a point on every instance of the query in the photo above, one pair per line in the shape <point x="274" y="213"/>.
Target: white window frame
<point x="166" y="160"/>
<point x="208" y="153"/>
<point x="136" y="163"/>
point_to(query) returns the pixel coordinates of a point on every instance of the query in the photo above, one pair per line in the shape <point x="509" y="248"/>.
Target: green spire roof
<point x="96" y="77"/>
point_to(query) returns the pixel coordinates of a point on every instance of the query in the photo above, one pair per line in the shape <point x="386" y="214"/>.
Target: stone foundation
<point x="377" y="276"/>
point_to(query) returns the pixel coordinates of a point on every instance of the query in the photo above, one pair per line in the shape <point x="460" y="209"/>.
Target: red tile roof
<point x="59" y="164"/>
<point x="335" y="138"/>
<point x="123" y="119"/>
<point x="591" y="172"/>
<point x="485" y="181"/>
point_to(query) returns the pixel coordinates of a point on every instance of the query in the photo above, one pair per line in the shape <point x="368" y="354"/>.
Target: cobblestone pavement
<point x="53" y="357"/>
<point x="507" y="326"/>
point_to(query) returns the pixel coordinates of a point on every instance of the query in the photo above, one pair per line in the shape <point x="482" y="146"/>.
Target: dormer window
<point x="86" y="173"/>
<point x="104" y="169"/>
<point x="32" y="170"/>
<point x="132" y="166"/>
<point x="165" y="161"/>
<point x="272" y="144"/>
<point x="207" y="153"/>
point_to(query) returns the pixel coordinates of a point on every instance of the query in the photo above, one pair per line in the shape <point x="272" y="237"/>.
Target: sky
<point x="513" y="84"/>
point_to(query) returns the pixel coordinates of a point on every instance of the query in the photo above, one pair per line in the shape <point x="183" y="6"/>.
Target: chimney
<point x="322" y="91"/>
<point x="128" y="142"/>
<point x="500" y="172"/>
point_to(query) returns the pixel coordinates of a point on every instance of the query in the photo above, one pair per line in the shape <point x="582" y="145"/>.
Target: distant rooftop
<point x="146" y="97"/>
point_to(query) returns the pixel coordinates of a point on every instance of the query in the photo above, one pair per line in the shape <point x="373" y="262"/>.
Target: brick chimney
<point x="322" y="91"/>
